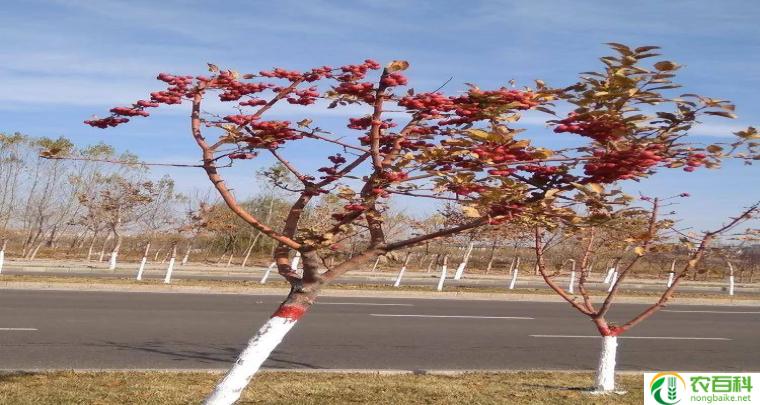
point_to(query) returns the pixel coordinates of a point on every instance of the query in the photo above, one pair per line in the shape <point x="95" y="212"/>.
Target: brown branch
<point x="216" y="179"/>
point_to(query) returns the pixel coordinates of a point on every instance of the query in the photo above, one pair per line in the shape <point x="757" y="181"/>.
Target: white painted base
<point x="374" y="267"/>
<point x="441" y="279"/>
<point x="460" y="271"/>
<point x="248" y="363"/>
<point x="605" y="372"/>
<point x="608" y="277"/>
<point x="266" y="273"/>
<point x="296" y="260"/>
<point x="613" y="280"/>
<point x="112" y="261"/>
<point x="142" y="268"/>
<point x="514" y="279"/>
<point x="730" y="285"/>
<point x="571" y="285"/>
<point x="670" y="279"/>
<point x="400" y="275"/>
<point x="2" y="259"/>
<point x="168" y="277"/>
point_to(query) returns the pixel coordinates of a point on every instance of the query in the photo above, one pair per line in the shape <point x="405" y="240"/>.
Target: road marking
<point x="453" y="316"/>
<point x="634" y="337"/>
<point x="27" y="329"/>
<point x="712" y="312"/>
<point x="364" y="303"/>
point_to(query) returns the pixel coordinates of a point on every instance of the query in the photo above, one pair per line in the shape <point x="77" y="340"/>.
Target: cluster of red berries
<point x="428" y="105"/>
<point x="693" y="161"/>
<point x="106" y="122"/>
<point x="501" y="153"/>
<point x="366" y="122"/>
<point x="241" y="119"/>
<point x="318" y="74"/>
<point x="246" y="155"/>
<point x="304" y="97"/>
<point x="504" y="212"/>
<point x="357" y="72"/>
<point x="129" y="112"/>
<point x="394" y="176"/>
<point x="364" y="91"/>
<point x="178" y="86"/>
<point x="394" y="79"/>
<point x="602" y="128"/>
<point x="280" y="73"/>
<point x="476" y="103"/>
<point x="465" y="189"/>
<point x="609" y="166"/>
<point x="253" y="102"/>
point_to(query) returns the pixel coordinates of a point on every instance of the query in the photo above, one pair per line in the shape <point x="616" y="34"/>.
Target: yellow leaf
<point x="397" y="65"/>
<point x="639" y="251"/>
<point x="470" y="212"/>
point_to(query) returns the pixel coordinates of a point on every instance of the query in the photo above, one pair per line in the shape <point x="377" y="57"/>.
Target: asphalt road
<point x="57" y="329"/>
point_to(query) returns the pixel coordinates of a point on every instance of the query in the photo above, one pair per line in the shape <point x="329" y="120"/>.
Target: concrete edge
<point x="442" y="372"/>
<point x="506" y="296"/>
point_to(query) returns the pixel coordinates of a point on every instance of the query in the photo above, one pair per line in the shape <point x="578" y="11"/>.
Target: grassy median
<point x="314" y="388"/>
<point x="247" y="284"/>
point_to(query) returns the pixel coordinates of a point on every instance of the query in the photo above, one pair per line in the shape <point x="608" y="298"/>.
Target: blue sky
<point x="63" y="61"/>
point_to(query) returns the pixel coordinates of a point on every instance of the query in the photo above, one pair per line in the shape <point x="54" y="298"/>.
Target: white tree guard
<point x="259" y="348"/>
<point x="168" y="277"/>
<point x="112" y="261"/>
<point x="514" y="279"/>
<point x="442" y="279"/>
<point x="460" y="269"/>
<point x="605" y="372"/>
<point x="142" y="268"/>
<point x="266" y="273"/>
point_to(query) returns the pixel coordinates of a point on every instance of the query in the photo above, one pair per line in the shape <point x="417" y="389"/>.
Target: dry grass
<point x="158" y="283"/>
<point x="313" y="388"/>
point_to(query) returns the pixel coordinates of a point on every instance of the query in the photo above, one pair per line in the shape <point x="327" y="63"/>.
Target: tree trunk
<point x="187" y="253"/>
<point x="258" y="349"/>
<point x="403" y="269"/>
<point x="605" y="372"/>
<point x="170" y="268"/>
<point x="115" y="251"/>
<point x="463" y="264"/>
<point x="142" y="262"/>
<point x="92" y="245"/>
<point x="2" y="253"/>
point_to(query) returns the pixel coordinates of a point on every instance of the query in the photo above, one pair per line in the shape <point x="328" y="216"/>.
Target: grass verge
<point x="166" y="388"/>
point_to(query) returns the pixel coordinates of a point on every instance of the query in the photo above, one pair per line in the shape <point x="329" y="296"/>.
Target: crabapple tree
<point x="464" y="148"/>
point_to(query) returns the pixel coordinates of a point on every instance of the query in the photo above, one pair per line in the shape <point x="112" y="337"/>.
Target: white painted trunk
<point x="185" y="258"/>
<point x="259" y="348"/>
<point x="730" y="285"/>
<point x="608" y="277"/>
<point x="613" y="280"/>
<point x="142" y="268"/>
<point x="374" y="267"/>
<point x="168" y="277"/>
<point x="266" y="273"/>
<point x="571" y="285"/>
<point x="605" y="373"/>
<point x="296" y="260"/>
<point x="2" y="259"/>
<point x="400" y="276"/>
<point x="112" y="261"/>
<point x="442" y="279"/>
<point x="670" y="279"/>
<point x="460" y="270"/>
<point x="514" y="279"/>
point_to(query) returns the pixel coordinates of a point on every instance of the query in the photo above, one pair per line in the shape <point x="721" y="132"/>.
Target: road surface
<point x="70" y="329"/>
